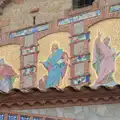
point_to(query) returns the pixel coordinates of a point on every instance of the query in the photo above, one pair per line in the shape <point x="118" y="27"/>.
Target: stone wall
<point x="16" y="15"/>
<point x="19" y="16"/>
<point x="95" y="112"/>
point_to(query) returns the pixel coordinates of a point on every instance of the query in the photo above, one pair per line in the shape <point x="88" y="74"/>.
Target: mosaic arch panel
<point x="54" y="49"/>
<point x="76" y="57"/>
<point x="105" y="55"/>
<point x="9" y="67"/>
<point x="19" y="64"/>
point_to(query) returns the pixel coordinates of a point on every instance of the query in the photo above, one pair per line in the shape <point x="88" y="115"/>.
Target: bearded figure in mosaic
<point x="56" y="65"/>
<point x="104" y="62"/>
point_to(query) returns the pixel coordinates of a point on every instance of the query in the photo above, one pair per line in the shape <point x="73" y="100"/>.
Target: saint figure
<point x="104" y="62"/>
<point x="7" y="76"/>
<point x="56" y="65"/>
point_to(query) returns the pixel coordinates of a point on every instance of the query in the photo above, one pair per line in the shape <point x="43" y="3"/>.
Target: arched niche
<point x="45" y="44"/>
<point x="108" y="27"/>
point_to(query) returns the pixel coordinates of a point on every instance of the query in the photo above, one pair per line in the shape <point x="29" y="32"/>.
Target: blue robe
<point x="55" y="70"/>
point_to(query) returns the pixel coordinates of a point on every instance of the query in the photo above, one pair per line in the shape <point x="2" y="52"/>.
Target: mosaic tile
<point x="29" y="31"/>
<point x="81" y="80"/>
<point x="97" y="12"/>
<point x="79" y="17"/>
<point x="115" y="8"/>
<point x="80" y="37"/>
<point x="28" y="50"/>
<point x="42" y="27"/>
<point x="81" y="58"/>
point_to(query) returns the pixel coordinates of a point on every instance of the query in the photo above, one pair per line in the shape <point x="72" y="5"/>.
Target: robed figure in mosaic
<point x="7" y="76"/>
<point x="56" y="65"/>
<point x="104" y="62"/>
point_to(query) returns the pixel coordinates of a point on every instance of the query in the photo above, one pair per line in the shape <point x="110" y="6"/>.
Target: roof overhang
<point x="34" y="98"/>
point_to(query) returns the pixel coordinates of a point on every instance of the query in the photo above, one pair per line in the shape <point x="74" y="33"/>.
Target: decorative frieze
<point x="80" y="58"/>
<point x="29" y="31"/>
<point x="27" y="51"/>
<point x="80" y="37"/>
<point x="115" y="8"/>
<point x="80" y="17"/>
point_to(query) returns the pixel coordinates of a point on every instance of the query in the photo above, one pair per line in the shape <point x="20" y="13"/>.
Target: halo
<point x="54" y="42"/>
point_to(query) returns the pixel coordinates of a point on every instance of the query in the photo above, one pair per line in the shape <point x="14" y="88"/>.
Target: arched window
<point x="81" y="3"/>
